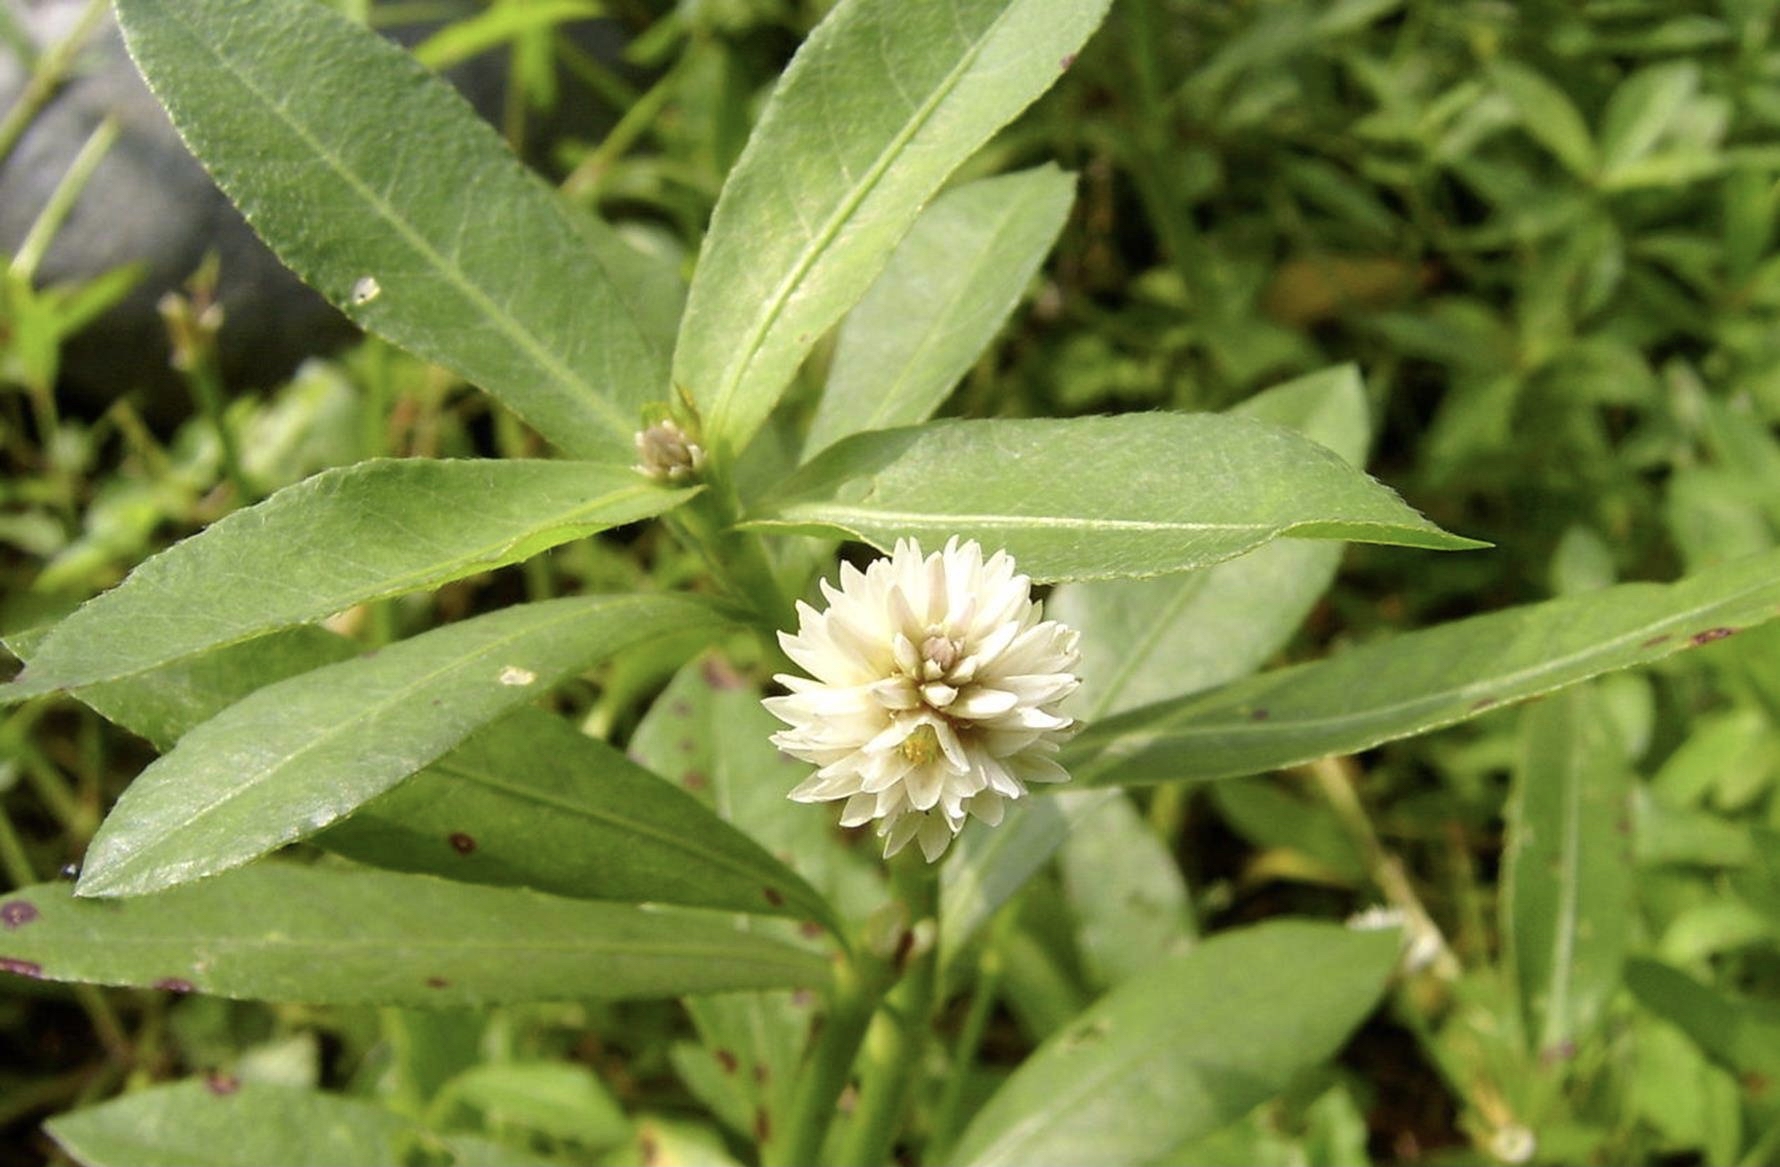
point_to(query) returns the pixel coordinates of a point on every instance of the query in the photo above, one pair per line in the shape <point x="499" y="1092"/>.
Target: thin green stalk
<point x="738" y="559"/>
<point x="894" y="1045"/>
<point x="61" y="200"/>
<point x="207" y="388"/>
<point x="193" y="321"/>
<point x="52" y="68"/>
<point x="13" y="859"/>
<point x="798" y="1140"/>
<point x="52" y="789"/>
<point x="991" y="967"/>
<point x="585" y="179"/>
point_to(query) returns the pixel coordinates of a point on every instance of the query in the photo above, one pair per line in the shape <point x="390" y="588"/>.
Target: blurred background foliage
<point x="1545" y="232"/>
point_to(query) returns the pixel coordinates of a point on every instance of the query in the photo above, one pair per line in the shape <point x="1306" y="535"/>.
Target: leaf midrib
<point x="945" y="320"/>
<point x="396" y="585"/>
<point x="1172" y="733"/>
<point x="333" y="733"/>
<point x="631" y="826"/>
<point x="819" y="243"/>
<point x="513" y="329"/>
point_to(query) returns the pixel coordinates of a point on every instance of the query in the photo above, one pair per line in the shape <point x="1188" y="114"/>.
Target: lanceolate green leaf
<point x="947" y="289"/>
<point x="531" y="800"/>
<point x="281" y="932"/>
<point x="1181" y="1050"/>
<point x="1095" y="497"/>
<point x="1146" y="640"/>
<point x="1419" y="681"/>
<point x="217" y="1121"/>
<point x="880" y="104"/>
<point x="1567" y="869"/>
<point x="343" y="537"/>
<point x="374" y="182"/>
<point x="296" y="756"/>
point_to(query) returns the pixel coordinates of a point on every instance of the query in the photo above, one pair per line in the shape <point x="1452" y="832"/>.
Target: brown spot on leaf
<point x="694" y="780"/>
<point x="727" y="1060"/>
<point x="810" y="930"/>
<point x="763" y="1125"/>
<point x="1710" y="634"/>
<point x="175" y="985"/>
<point x="23" y="968"/>
<point x="762" y="1075"/>
<point x="462" y="843"/>
<point x="1563" y="1051"/>
<point x="1656" y="640"/>
<point x="681" y="707"/>
<point x="220" y="1084"/>
<point x="436" y="982"/>
<point x="774" y="896"/>
<point x="17" y="913"/>
<point x="718" y="674"/>
<point x="1067" y="61"/>
<point x="1483" y="703"/>
<point x="1258" y="715"/>
<point x="1754" y="1083"/>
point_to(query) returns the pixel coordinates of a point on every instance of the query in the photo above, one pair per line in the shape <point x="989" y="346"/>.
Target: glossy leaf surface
<point x="294" y="757"/>
<point x="1146" y="640"/>
<point x="1095" y="497"/>
<point x="1422" y="680"/>
<point x="532" y="801"/>
<point x="343" y="537"/>
<point x="939" y="302"/>
<point x="881" y="103"/>
<point x="374" y="181"/>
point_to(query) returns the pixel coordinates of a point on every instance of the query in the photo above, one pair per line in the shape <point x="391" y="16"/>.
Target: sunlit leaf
<point x="343" y="537"/>
<point x="1095" y="497"/>
<point x="383" y="190"/>
<point x="881" y="103"/>
<point x="296" y="756"/>
<point x="1419" y="681"/>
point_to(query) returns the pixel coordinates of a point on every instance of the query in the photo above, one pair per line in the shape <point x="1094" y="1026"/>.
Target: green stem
<point x="206" y="384"/>
<point x="13" y="859"/>
<point x="798" y="1140"/>
<point x="991" y="966"/>
<point x="898" y="1035"/>
<point x="738" y="559"/>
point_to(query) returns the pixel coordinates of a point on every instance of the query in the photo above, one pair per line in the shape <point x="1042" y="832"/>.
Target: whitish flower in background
<point x="935" y="693"/>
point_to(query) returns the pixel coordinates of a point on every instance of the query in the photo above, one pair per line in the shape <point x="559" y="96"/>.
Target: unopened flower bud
<point x="666" y="454"/>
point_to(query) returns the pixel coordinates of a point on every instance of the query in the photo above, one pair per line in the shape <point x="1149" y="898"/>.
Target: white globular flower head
<point x="933" y="693"/>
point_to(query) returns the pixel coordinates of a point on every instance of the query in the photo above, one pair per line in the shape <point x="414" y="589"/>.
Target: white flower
<point x="935" y="693"/>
